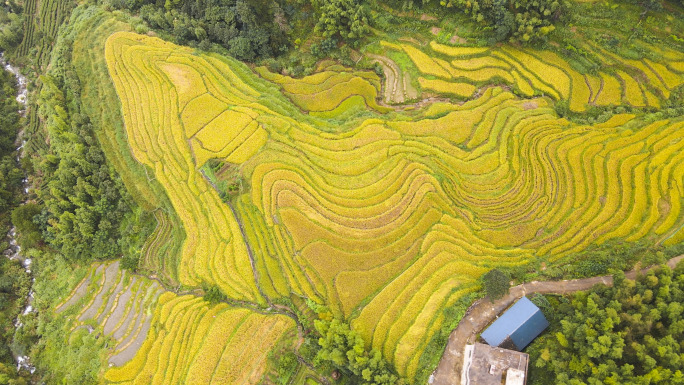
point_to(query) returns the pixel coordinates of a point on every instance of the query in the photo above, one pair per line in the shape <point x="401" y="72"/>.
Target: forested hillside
<point x="14" y="282"/>
<point x="628" y="333"/>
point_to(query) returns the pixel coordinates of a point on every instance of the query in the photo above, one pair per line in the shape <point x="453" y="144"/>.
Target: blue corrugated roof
<point x="522" y="322"/>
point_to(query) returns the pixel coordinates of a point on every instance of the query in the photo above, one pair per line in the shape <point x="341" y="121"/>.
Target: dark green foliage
<point x="496" y="284"/>
<point x="627" y="334"/>
<point x="213" y="294"/>
<point x="84" y="204"/>
<point x="11" y="26"/>
<point x="10" y="173"/>
<point x="286" y="365"/>
<point x="250" y="30"/>
<point x="14" y="288"/>
<point x="324" y="48"/>
<point x="24" y="219"/>
<point x="534" y="18"/>
<point x="14" y="282"/>
<point x="347" y="19"/>
<point x="606" y="258"/>
<point x="649" y="5"/>
<point x="545" y="306"/>
<point x="517" y="20"/>
<point x="130" y="261"/>
<point x="346" y="351"/>
<point x="9" y="376"/>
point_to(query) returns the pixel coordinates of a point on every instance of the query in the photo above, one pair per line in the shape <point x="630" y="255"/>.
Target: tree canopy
<point x="346" y="350"/>
<point x="250" y="30"/>
<point x="347" y="19"/>
<point x="630" y="333"/>
<point x="496" y="284"/>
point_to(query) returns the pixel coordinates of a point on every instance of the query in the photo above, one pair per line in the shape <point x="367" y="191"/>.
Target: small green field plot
<point x="43" y="18"/>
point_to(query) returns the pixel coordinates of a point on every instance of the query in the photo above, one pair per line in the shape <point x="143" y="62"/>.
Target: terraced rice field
<point x="392" y="218"/>
<point x="160" y="337"/>
<point x="397" y="86"/>
<point x="30" y="30"/>
<point x="331" y="91"/>
<point x="118" y="304"/>
<point x="457" y="70"/>
<point x="191" y="342"/>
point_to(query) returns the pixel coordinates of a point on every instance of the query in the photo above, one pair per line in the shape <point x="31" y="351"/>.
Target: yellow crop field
<point x="544" y="72"/>
<point x="327" y="93"/>
<point x="192" y="343"/>
<point x="214" y="251"/>
<point x="387" y="217"/>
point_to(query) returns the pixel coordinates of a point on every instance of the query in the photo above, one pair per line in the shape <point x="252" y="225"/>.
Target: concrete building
<point x="488" y="365"/>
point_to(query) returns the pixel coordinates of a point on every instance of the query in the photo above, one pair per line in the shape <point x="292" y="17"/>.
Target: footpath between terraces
<point x="483" y="312"/>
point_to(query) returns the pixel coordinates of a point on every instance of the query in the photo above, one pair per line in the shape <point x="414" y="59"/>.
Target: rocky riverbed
<point x="14" y="250"/>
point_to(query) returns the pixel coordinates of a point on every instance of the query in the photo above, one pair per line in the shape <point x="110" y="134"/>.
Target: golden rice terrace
<point x="386" y="215"/>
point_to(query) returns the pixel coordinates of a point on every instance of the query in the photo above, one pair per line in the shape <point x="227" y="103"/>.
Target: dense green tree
<point x="347" y="19"/>
<point x="250" y="30"/>
<point x="23" y="218"/>
<point x="9" y="376"/>
<point x="14" y="282"/>
<point x="10" y="173"/>
<point x="84" y="204"/>
<point x="11" y="25"/>
<point x="213" y="294"/>
<point x="346" y="350"/>
<point x="517" y="20"/>
<point x="630" y="333"/>
<point x="496" y="284"/>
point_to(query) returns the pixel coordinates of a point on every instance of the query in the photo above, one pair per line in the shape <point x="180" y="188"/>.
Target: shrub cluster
<point x="250" y="30"/>
<point x="345" y="349"/>
<point x="630" y="333"/>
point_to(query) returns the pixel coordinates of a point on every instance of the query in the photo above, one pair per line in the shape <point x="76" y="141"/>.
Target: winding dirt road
<point x="482" y="312"/>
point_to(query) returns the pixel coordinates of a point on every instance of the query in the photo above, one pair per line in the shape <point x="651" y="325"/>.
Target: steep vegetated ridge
<point x="390" y="219"/>
<point x="14" y="281"/>
<point x="43" y="18"/>
<point x="87" y="33"/>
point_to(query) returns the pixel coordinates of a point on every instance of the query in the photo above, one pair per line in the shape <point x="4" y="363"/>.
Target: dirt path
<point x="482" y="312"/>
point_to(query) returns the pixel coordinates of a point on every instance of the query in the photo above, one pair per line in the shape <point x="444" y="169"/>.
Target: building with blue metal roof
<point x="517" y="327"/>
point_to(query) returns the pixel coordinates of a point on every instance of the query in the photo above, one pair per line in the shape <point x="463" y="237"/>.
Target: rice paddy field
<point x="387" y="215"/>
<point x="155" y="336"/>
<point x="455" y="70"/>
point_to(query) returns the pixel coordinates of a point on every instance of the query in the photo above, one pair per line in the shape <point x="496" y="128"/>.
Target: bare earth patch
<point x="457" y="40"/>
<point x="435" y="30"/>
<point x="110" y="274"/>
<point x="530" y="105"/>
<point x="80" y="291"/>
<point x="120" y="308"/>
